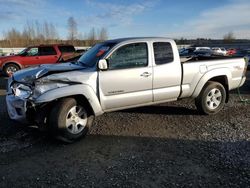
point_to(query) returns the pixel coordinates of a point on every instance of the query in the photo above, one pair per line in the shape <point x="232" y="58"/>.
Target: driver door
<point x="128" y="80"/>
<point x="31" y="57"/>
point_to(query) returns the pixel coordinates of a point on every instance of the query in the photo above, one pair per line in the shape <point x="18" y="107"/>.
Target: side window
<point x="163" y="53"/>
<point x="32" y="52"/>
<point x="129" y="56"/>
<point x="49" y="50"/>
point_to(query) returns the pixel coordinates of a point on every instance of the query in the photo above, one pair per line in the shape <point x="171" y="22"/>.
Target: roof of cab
<point x="119" y="40"/>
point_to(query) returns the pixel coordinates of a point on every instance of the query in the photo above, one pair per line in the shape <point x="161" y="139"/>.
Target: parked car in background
<point x="81" y="51"/>
<point x="36" y="55"/>
<point x="76" y="56"/>
<point x="244" y="53"/>
<point x="231" y="51"/>
<point x="73" y="56"/>
<point x="187" y="51"/>
<point x="204" y="52"/>
<point x="202" y="48"/>
<point x="219" y="51"/>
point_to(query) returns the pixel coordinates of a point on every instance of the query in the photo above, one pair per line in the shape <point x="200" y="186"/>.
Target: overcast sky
<point x="128" y="18"/>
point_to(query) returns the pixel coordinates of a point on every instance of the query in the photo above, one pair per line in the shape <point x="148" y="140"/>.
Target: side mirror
<point x="103" y="64"/>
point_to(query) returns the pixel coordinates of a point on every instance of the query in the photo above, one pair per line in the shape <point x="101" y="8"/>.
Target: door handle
<point x="146" y="74"/>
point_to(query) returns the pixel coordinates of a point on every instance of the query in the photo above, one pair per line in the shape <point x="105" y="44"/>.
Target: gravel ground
<point x="167" y="145"/>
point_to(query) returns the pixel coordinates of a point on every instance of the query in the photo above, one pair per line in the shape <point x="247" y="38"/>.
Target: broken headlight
<point x="22" y="91"/>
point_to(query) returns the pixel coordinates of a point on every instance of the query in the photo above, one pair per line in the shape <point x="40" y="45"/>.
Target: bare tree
<point x="50" y="32"/>
<point x="81" y="36"/>
<point x="35" y="33"/>
<point x="72" y="29"/>
<point x="229" y="37"/>
<point x="92" y="36"/>
<point x="14" y="37"/>
<point x="103" y="34"/>
<point x="53" y="31"/>
<point x="46" y="30"/>
<point x="30" y="28"/>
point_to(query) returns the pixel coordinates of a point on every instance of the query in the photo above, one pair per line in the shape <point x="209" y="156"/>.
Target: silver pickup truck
<point x="115" y="75"/>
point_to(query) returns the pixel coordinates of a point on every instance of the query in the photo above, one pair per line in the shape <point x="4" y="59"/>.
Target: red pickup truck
<point x="36" y="55"/>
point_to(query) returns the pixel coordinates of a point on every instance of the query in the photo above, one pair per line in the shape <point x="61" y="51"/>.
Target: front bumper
<point x="17" y="108"/>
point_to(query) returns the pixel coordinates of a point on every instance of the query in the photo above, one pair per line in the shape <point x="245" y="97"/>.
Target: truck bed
<point x="194" y="70"/>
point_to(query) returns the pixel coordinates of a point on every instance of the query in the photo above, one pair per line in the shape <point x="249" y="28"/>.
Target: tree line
<point x="35" y="33"/>
<point x="228" y="38"/>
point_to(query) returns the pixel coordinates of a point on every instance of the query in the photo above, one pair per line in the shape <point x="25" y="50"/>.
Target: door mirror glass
<point x="103" y="64"/>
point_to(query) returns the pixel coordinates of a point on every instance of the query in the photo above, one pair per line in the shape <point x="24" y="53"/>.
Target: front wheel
<point x="211" y="99"/>
<point x="10" y="69"/>
<point x="70" y="120"/>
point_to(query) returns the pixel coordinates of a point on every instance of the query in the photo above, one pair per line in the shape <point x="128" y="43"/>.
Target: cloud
<point x="8" y="15"/>
<point x="214" y="23"/>
<point x="118" y="13"/>
<point x="13" y="10"/>
<point x="21" y="3"/>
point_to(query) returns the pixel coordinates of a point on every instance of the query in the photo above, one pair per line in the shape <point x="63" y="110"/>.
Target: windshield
<point x="95" y="53"/>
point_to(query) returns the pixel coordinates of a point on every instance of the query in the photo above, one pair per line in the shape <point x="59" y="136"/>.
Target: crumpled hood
<point x="29" y="75"/>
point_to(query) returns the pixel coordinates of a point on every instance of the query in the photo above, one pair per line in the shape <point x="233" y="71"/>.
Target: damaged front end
<point x="27" y="85"/>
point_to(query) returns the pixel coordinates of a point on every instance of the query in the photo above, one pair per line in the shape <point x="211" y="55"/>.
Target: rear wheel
<point x="211" y="99"/>
<point x="70" y="120"/>
<point x="10" y="69"/>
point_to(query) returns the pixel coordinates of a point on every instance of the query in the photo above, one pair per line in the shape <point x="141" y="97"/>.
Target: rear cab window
<point x="163" y="53"/>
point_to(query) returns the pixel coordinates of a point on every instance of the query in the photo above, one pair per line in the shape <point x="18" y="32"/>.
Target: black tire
<point x="62" y="112"/>
<point x="211" y="99"/>
<point x="10" y="69"/>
